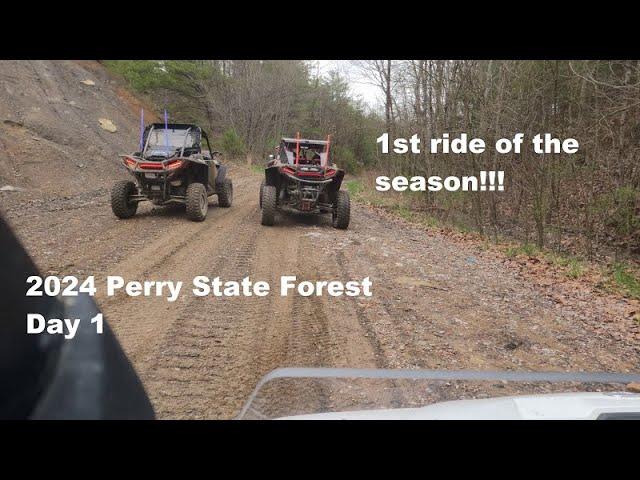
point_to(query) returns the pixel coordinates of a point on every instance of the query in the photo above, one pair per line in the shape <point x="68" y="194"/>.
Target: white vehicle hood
<point x="563" y="406"/>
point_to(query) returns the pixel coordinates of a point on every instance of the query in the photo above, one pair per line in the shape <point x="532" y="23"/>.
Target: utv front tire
<point x="121" y="205"/>
<point x="342" y="213"/>
<point x="196" y="202"/>
<point x="268" y="201"/>
<point x="225" y="195"/>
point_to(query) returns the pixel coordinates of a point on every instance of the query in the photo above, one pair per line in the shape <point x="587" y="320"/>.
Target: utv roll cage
<point x="194" y="148"/>
<point x="292" y="148"/>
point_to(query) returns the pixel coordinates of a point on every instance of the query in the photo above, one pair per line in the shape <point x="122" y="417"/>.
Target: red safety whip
<point x="297" y="147"/>
<point x="326" y="157"/>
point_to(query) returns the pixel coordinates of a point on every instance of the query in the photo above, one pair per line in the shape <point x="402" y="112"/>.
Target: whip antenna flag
<point x="166" y="129"/>
<point x="141" y="129"/>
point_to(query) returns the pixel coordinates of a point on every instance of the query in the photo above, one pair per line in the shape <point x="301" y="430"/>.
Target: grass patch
<point x="429" y="221"/>
<point x="626" y="280"/>
<point x="354" y="187"/>
<point x="574" y="267"/>
<point x="463" y="227"/>
<point x="377" y="201"/>
<point x="527" y="249"/>
<point x="404" y="212"/>
<point x="257" y="169"/>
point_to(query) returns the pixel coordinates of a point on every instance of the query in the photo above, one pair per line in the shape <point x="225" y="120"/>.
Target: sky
<point x="369" y="93"/>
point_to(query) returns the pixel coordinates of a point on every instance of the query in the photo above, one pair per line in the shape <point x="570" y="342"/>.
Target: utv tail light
<point x="130" y="162"/>
<point x="289" y="170"/>
<point x="330" y="172"/>
<point x="173" y="164"/>
<point x="151" y="166"/>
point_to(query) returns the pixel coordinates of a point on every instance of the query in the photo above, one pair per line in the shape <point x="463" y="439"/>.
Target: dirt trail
<point x="436" y="304"/>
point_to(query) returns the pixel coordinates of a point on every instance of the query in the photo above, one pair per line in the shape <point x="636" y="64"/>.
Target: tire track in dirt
<point x="322" y="330"/>
<point x="244" y="337"/>
<point x="141" y="322"/>
<point x="213" y="332"/>
<point x="217" y="351"/>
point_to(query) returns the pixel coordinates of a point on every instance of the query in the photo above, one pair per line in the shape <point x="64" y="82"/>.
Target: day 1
<point x="68" y="327"/>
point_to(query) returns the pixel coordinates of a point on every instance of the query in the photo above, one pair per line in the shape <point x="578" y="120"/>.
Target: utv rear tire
<point x="196" y="202"/>
<point x="342" y="213"/>
<point x="268" y="201"/>
<point x="261" y="189"/>
<point x="225" y="195"/>
<point x="120" y="204"/>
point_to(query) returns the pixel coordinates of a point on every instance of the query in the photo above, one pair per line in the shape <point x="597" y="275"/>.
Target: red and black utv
<point x="301" y="178"/>
<point x="172" y="168"/>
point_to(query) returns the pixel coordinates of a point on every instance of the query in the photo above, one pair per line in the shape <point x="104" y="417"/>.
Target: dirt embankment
<point x="51" y="141"/>
<point x="437" y="303"/>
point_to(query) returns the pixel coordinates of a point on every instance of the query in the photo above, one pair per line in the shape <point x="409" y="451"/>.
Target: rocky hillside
<point x="56" y="126"/>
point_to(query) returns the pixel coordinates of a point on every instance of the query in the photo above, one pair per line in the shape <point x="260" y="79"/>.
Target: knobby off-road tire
<point x="268" y="200"/>
<point x="342" y="213"/>
<point x="197" y="202"/>
<point x="120" y="204"/>
<point x="225" y="195"/>
<point x="261" y="189"/>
